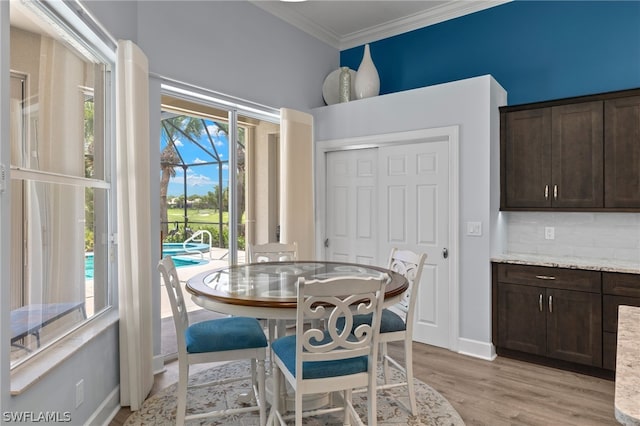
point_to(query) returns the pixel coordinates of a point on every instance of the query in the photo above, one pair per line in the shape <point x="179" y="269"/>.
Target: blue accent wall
<point x="537" y="50"/>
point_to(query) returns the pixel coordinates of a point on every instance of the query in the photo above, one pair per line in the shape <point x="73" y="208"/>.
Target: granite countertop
<point x="627" y="399"/>
<point x="604" y="265"/>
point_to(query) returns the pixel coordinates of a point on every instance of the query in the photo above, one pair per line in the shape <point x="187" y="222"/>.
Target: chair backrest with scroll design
<point x="272" y="252"/>
<point x="408" y="264"/>
<point x="334" y="356"/>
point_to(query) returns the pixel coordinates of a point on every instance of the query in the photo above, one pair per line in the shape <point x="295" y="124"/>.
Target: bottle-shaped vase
<point x="345" y="84"/>
<point x="367" y="82"/>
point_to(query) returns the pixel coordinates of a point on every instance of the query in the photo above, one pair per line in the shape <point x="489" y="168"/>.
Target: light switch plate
<point x="474" y="229"/>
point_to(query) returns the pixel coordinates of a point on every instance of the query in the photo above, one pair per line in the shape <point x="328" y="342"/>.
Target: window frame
<point x="86" y="35"/>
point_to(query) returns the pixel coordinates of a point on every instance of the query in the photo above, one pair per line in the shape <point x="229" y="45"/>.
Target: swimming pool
<point x="178" y="248"/>
<point x="177" y="260"/>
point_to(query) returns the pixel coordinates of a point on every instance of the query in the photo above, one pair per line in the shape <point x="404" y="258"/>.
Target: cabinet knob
<point x="555" y="192"/>
<point x="546" y="192"/>
<point x="551" y="304"/>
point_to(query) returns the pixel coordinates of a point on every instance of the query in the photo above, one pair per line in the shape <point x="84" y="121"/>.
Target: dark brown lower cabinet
<point x="574" y="327"/>
<point x="550" y="312"/>
<point x="618" y="289"/>
<point x="569" y="315"/>
<point x="522" y="325"/>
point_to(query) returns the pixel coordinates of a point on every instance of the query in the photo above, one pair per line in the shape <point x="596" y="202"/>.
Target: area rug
<point x="160" y="409"/>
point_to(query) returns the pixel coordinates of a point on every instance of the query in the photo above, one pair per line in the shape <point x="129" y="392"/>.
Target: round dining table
<point x="268" y="290"/>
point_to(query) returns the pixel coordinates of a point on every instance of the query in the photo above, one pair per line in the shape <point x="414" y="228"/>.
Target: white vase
<point x="367" y="82"/>
<point x="345" y="84"/>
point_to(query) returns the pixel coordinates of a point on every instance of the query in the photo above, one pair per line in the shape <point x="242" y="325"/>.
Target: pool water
<point x="178" y="261"/>
<point x="178" y="248"/>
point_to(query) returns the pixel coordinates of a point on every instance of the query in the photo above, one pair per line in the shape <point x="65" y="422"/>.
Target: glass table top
<point x="274" y="283"/>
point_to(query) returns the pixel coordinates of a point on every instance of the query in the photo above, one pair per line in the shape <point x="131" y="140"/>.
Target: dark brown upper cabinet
<point x="577" y="154"/>
<point x="622" y="153"/>
<point x="526" y="158"/>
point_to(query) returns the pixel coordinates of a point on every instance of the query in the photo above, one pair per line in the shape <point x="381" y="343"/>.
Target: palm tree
<point x="170" y="159"/>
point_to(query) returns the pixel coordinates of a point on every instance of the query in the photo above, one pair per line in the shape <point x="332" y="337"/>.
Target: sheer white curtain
<point x="297" y="220"/>
<point x="134" y="232"/>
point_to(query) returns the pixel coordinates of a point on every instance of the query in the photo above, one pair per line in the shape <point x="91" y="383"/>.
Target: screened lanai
<point x="194" y="151"/>
<point x="196" y="154"/>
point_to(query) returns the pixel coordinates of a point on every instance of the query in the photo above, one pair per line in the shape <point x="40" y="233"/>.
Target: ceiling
<point x="348" y="23"/>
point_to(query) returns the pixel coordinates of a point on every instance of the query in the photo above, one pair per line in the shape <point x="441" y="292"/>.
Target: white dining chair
<point x="331" y="358"/>
<point x="272" y="252"/>
<point x="396" y="324"/>
<point x="224" y="339"/>
<point x="409" y="264"/>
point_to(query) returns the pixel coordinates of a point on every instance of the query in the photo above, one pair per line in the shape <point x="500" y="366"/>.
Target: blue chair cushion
<point x="285" y="349"/>
<point x="389" y="322"/>
<point x="224" y="334"/>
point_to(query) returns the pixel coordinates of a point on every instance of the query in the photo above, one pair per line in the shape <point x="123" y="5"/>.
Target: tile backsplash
<point x="585" y="235"/>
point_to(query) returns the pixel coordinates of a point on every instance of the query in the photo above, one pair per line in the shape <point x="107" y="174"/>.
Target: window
<point x="60" y="179"/>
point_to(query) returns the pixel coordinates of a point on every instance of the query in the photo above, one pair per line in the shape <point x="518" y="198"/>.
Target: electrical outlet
<point x="549" y="233"/>
<point x="79" y="393"/>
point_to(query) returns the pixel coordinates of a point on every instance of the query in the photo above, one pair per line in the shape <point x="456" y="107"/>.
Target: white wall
<point x="97" y="364"/>
<point x="232" y="47"/>
<point x="473" y="105"/>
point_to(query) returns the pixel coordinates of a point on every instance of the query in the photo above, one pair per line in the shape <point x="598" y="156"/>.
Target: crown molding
<point x="433" y="16"/>
<point x="299" y="21"/>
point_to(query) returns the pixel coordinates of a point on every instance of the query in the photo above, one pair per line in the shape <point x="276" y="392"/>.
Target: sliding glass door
<point x="218" y="186"/>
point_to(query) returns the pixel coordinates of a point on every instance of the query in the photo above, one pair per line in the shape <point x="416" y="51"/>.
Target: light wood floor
<point x="494" y="393"/>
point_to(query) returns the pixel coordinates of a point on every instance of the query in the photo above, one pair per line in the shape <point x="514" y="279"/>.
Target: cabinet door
<point x="577" y="155"/>
<point x="574" y="326"/>
<point x="521" y="318"/>
<point x="622" y="152"/>
<point x="527" y="162"/>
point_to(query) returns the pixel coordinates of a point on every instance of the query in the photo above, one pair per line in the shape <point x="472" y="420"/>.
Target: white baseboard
<point x="477" y="349"/>
<point x="158" y="364"/>
<point x="107" y="410"/>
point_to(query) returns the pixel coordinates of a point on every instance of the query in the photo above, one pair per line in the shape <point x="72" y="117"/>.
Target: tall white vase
<point x="367" y="82"/>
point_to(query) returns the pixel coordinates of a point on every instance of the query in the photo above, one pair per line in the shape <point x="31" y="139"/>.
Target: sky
<point x="200" y="179"/>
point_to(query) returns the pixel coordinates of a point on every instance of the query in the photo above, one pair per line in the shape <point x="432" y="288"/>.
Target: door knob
<point x="445" y="252"/>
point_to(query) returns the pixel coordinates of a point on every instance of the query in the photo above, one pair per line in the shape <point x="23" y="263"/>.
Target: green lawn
<point x="206" y="219"/>
<point x="196" y="215"/>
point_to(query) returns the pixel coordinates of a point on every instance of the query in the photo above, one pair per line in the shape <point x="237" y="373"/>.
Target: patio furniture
<point x="216" y="340"/>
<point x="31" y="319"/>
